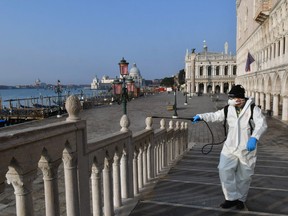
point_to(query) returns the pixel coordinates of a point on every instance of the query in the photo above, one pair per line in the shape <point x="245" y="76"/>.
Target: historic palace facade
<point x="262" y="30"/>
<point x="209" y="72"/>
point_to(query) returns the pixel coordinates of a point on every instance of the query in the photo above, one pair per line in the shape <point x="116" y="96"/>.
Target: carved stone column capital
<point x="49" y="169"/>
<point x="22" y="183"/>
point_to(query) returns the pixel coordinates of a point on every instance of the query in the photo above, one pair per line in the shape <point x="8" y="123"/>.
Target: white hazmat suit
<point x="237" y="164"/>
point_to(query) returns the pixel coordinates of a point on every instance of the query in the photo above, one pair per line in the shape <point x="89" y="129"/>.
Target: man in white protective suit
<point x="238" y="155"/>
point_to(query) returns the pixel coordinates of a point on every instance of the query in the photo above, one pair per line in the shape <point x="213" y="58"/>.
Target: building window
<point x="234" y="70"/>
<point x="226" y="70"/>
<point x="201" y="71"/>
<point x="274" y="50"/>
<point x="279" y="48"/>
<point x="209" y="70"/>
<point x="284" y="45"/>
<point x="217" y="70"/>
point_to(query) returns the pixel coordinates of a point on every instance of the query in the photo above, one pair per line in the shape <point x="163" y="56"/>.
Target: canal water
<point x="8" y="94"/>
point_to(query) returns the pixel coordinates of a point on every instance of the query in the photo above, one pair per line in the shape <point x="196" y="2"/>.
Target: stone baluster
<point x="22" y="184"/>
<point x="140" y="168"/>
<point x="117" y="180"/>
<point x="135" y="173"/>
<point x="96" y="172"/>
<point x="50" y="177"/>
<point x="172" y="141"/>
<point x="127" y="162"/>
<point x="186" y="136"/>
<point x="150" y="154"/>
<point x="164" y="145"/>
<point x="108" y="187"/>
<point x="177" y="139"/>
<point x="144" y="156"/>
<point x="71" y="182"/>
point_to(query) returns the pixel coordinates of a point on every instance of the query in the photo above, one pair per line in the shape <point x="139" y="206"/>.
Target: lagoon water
<point x="7" y="94"/>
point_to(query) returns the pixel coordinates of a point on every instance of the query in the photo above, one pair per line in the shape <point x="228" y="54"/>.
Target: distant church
<point x="106" y="81"/>
<point x="209" y="72"/>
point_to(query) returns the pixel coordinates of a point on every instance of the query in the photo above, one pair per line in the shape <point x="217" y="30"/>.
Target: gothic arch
<point x="261" y="84"/>
<point x="276" y="84"/>
<point x="268" y="84"/>
<point x="285" y="84"/>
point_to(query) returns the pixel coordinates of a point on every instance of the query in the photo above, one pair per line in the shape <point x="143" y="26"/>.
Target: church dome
<point x="134" y="71"/>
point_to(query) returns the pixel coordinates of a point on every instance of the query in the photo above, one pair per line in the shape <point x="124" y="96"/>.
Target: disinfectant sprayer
<point x="191" y="119"/>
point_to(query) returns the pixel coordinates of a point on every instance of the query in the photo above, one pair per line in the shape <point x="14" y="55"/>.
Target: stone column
<point x="257" y="98"/>
<point x="197" y="86"/>
<point x="22" y="184"/>
<point x="135" y="174"/>
<point x="71" y="183"/>
<point x="117" y="181"/>
<point x="150" y="162"/>
<point x="50" y="177"/>
<point x="96" y="189"/>
<point x="124" y="175"/>
<point x="140" y="168"/>
<point x="268" y="101"/>
<point x="108" y="188"/>
<point x="222" y="87"/>
<point x="145" y="166"/>
<point x="262" y="101"/>
<point x="275" y="105"/>
<point x="285" y="108"/>
<point x="193" y="71"/>
<point x="205" y="88"/>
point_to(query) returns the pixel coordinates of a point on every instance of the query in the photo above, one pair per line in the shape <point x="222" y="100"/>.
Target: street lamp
<point x="175" y="115"/>
<point x="123" y="88"/>
<point x="190" y="91"/>
<point x="185" y="94"/>
<point x="58" y="91"/>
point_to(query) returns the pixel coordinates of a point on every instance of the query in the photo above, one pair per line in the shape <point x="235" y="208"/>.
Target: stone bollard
<point x="73" y="107"/>
<point x="149" y="122"/>
<point x="124" y="123"/>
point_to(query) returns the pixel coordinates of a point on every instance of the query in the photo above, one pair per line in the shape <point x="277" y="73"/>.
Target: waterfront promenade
<point x="191" y="186"/>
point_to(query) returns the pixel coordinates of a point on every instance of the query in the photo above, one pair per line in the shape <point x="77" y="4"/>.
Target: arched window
<point x="226" y="70"/>
<point x="201" y="71"/>
<point x="234" y="70"/>
<point x="217" y="70"/>
<point x="209" y="71"/>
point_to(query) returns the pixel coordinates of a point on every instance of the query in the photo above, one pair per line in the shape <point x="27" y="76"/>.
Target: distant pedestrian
<point x="238" y="155"/>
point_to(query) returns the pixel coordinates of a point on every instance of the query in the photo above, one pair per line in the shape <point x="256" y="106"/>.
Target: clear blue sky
<point x="75" y="40"/>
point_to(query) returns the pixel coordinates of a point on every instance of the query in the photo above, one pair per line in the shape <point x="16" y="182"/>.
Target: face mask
<point x="233" y="102"/>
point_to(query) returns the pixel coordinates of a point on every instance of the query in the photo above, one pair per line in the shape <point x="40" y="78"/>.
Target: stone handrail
<point x="105" y="171"/>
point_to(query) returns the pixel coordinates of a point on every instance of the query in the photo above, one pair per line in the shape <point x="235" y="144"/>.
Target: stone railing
<point x="97" y="175"/>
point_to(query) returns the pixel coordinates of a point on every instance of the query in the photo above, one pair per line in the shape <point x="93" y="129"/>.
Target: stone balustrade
<point x="99" y="174"/>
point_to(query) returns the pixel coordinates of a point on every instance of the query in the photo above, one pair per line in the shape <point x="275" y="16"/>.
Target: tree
<point x="181" y="77"/>
<point x="167" y="82"/>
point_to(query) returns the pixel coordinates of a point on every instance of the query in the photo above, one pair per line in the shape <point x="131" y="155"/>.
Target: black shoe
<point x="229" y="204"/>
<point x="240" y="205"/>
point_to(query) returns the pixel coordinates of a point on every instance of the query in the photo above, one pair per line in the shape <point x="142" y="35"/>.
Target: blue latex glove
<point x="251" y="144"/>
<point x="196" y="119"/>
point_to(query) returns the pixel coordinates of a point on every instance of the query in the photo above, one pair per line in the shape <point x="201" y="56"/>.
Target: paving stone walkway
<point x="192" y="186"/>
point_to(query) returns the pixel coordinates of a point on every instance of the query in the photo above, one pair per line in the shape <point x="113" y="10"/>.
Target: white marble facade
<point x="209" y="72"/>
<point x="262" y="30"/>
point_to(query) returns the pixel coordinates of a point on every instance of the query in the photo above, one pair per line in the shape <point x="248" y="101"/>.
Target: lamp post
<point x="175" y="115"/>
<point x="185" y="94"/>
<point x="123" y="88"/>
<point x="190" y="91"/>
<point x="58" y="91"/>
